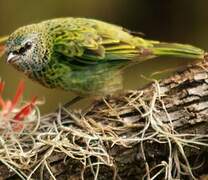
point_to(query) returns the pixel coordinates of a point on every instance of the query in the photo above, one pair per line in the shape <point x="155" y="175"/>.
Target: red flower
<point x="25" y="111"/>
<point x="9" y="107"/>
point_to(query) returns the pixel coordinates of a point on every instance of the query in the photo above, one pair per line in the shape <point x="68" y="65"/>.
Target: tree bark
<point x="161" y="128"/>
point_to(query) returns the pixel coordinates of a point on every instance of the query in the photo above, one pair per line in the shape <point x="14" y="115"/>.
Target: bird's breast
<point x="96" y="80"/>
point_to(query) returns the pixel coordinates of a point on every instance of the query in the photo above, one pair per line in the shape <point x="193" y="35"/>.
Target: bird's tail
<point x="177" y="50"/>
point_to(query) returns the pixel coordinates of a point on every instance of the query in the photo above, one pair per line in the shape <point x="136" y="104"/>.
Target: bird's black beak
<point x="11" y="58"/>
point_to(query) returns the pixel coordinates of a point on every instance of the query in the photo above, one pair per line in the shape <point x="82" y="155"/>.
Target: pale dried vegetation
<point x="83" y="135"/>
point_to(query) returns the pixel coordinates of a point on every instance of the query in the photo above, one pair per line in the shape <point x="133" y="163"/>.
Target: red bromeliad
<point x="9" y="107"/>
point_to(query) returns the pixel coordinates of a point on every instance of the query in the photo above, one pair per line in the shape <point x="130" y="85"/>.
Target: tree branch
<point x="160" y="131"/>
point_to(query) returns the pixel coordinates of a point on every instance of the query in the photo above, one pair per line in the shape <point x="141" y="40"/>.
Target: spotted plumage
<point x="84" y="55"/>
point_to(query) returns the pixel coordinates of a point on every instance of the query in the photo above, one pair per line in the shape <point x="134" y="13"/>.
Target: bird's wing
<point x="102" y="42"/>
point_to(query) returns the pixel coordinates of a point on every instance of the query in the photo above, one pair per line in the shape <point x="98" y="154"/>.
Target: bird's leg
<point x="73" y="101"/>
<point x="70" y="103"/>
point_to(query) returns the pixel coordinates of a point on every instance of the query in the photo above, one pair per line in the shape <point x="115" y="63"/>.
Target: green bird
<point x="83" y="55"/>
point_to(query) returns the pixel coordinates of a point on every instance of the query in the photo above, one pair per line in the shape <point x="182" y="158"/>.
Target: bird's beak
<point x="12" y="57"/>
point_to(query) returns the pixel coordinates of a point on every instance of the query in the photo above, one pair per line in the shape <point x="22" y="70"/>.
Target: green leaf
<point x="3" y="39"/>
<point x="2" y="45"/>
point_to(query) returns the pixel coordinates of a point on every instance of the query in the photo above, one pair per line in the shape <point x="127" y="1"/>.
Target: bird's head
<point x="27" y="48"/>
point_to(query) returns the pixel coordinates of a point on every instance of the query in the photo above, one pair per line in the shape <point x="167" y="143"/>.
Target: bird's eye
<point x="26" y="47"/>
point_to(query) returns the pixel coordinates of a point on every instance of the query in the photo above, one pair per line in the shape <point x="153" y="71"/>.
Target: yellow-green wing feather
<point x="92" y="40"/>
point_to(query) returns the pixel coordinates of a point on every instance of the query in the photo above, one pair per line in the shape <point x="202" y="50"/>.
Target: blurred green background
<point x="173" y="20"/>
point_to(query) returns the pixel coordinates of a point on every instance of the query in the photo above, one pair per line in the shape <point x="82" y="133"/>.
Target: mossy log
<point x="157" y="132"/>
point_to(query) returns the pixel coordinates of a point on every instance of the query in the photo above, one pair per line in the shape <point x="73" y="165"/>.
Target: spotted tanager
<point x="83" y="55"/>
